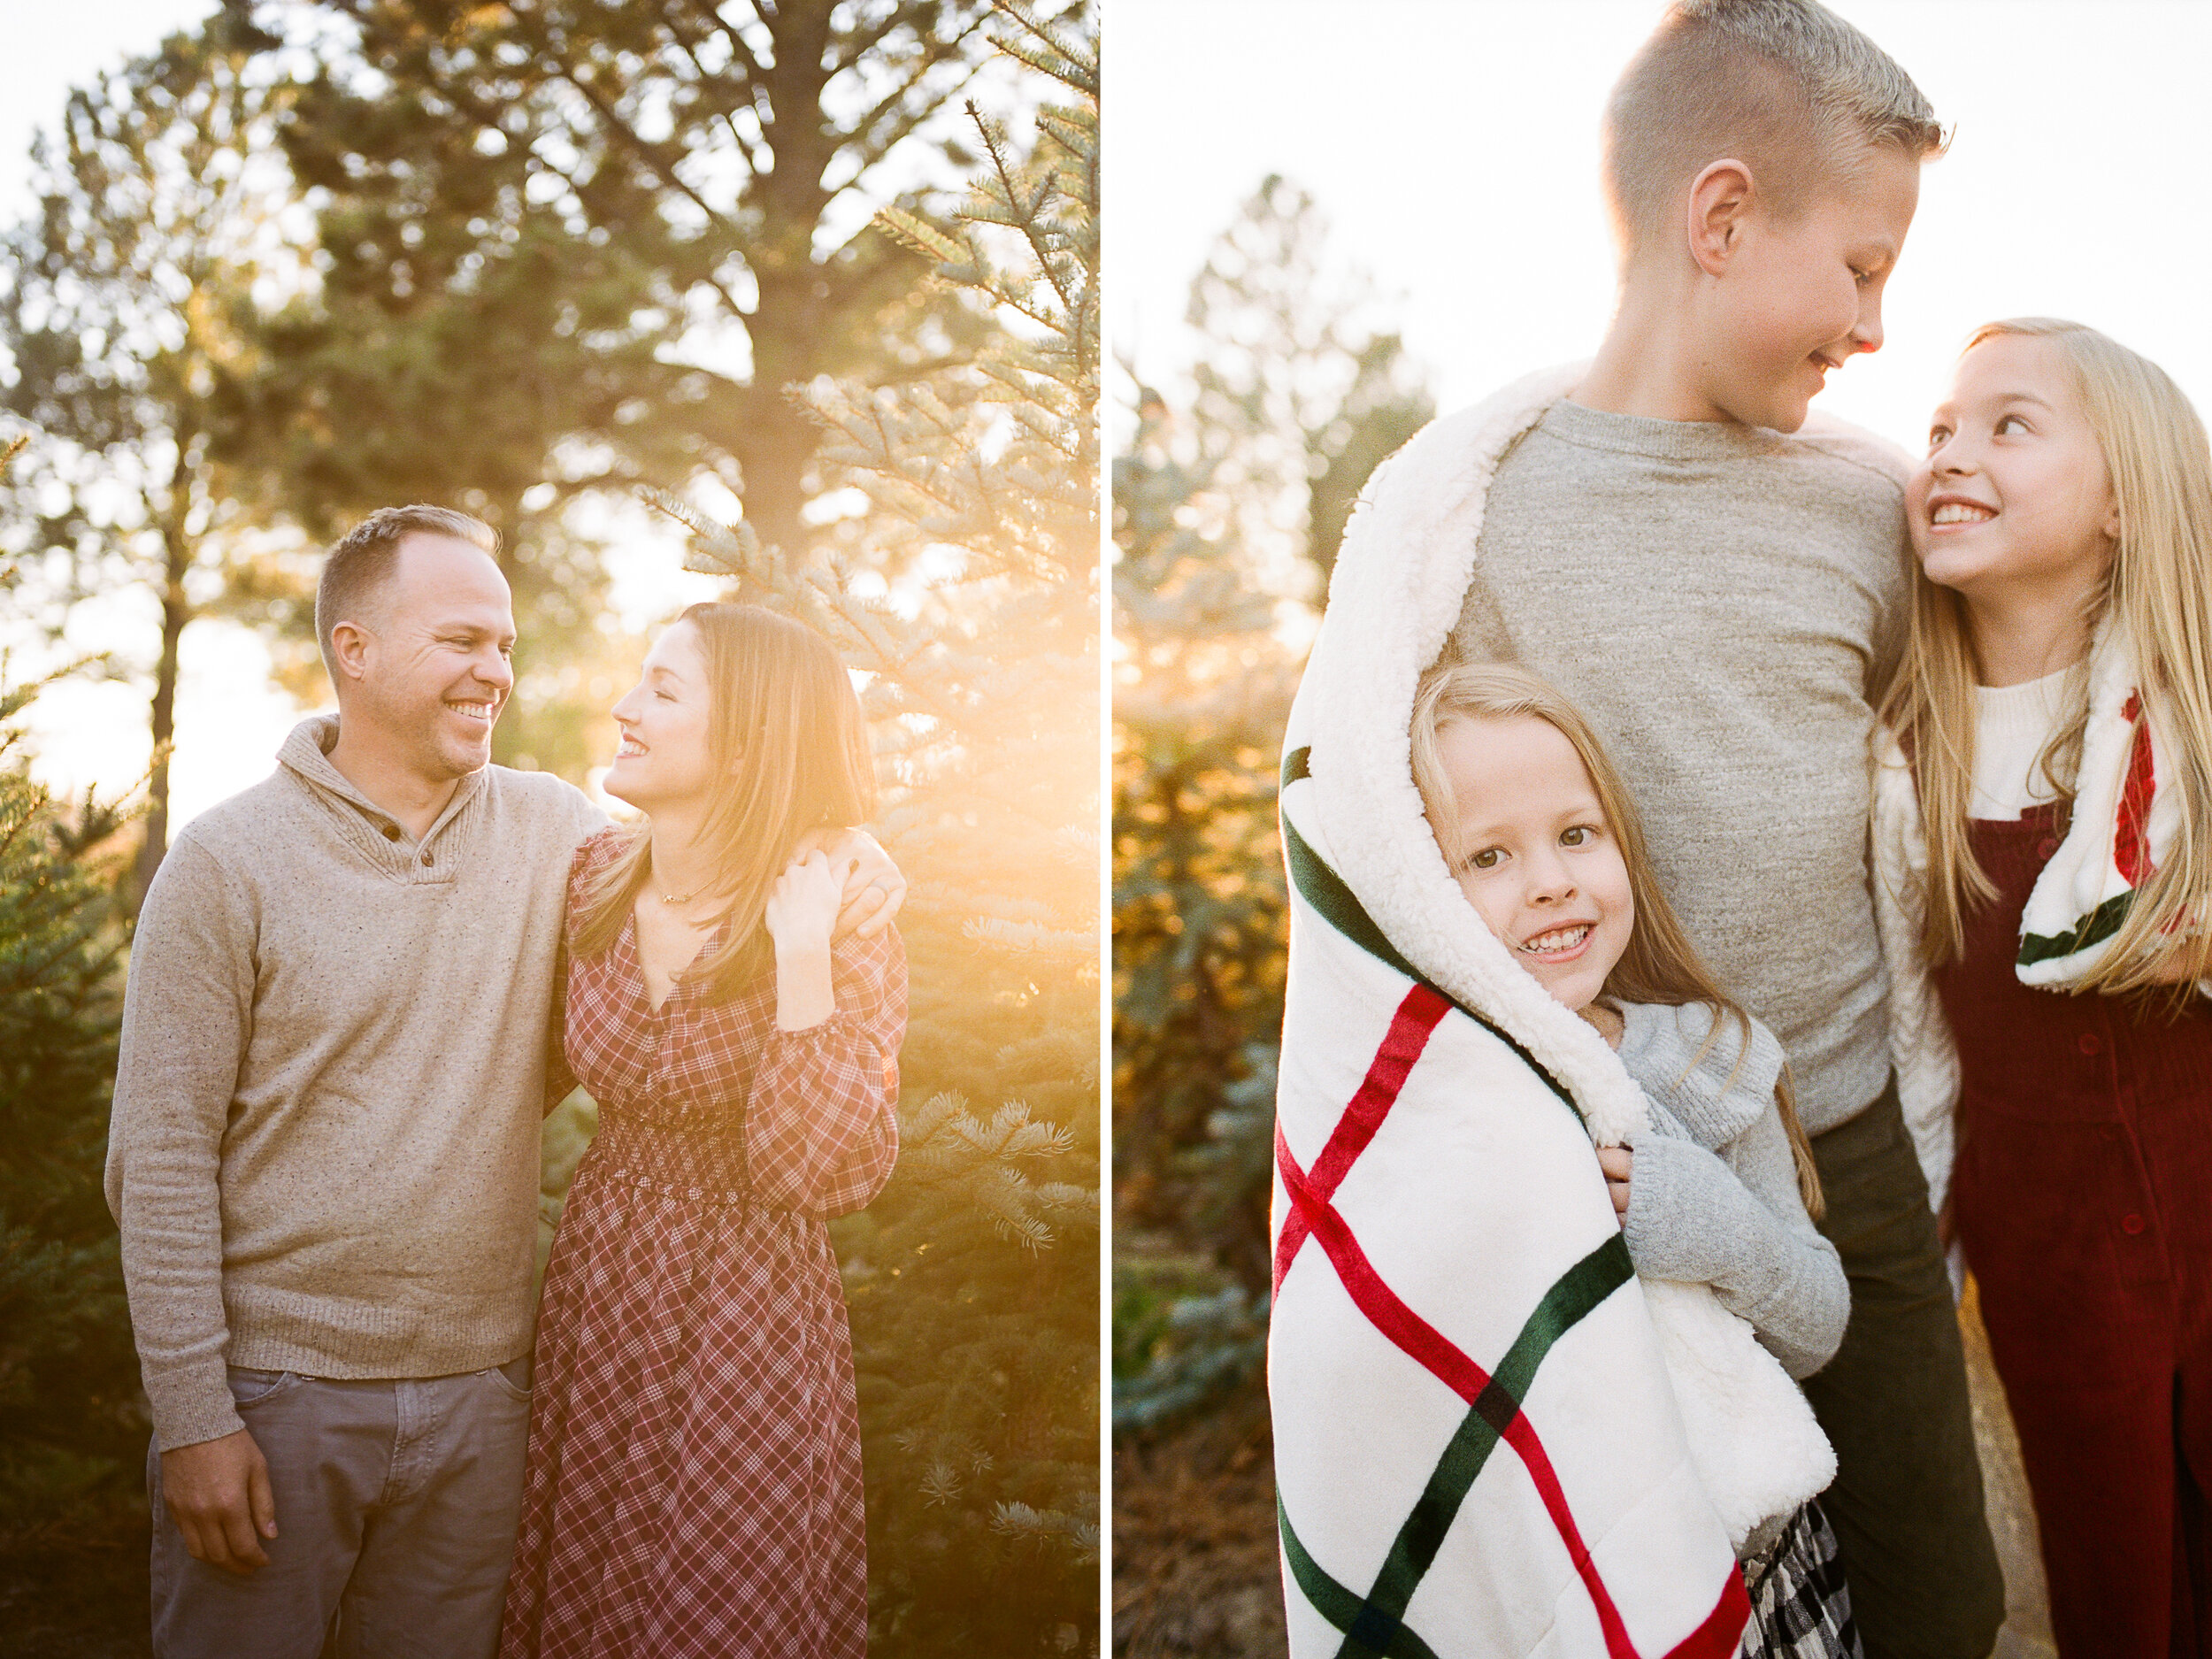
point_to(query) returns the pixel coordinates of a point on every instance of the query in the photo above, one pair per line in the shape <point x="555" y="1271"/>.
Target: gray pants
<point x="1907" y="1503"/>
<point x="396" y="1503"/>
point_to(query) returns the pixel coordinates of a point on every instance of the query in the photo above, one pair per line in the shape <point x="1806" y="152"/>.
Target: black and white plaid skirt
<point x="1800" y="1608"/>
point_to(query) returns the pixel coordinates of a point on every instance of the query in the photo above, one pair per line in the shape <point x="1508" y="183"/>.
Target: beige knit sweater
<point x="324" y="1156"/>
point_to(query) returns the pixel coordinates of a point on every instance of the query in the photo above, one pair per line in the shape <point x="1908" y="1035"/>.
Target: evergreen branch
<point x="1077" y="65"/>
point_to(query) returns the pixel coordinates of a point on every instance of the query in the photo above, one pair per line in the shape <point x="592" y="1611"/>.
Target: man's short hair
<point x="363" y="560"/>
<point x="1786" y="87"/>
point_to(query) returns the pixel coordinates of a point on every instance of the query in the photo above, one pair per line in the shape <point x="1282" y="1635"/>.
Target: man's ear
<point x="349" y="647"/>
<point x="1720" y="202"/>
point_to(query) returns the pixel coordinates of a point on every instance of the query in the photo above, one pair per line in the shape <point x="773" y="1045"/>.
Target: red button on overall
<point x="2045" y="848"/>
<point x="2087" y="1042"/>
<point x="2130" y="1224"/>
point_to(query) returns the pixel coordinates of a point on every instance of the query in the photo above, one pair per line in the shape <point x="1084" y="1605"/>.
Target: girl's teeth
<point x="1959" y="512"/>
<point x="1563" y="939"/>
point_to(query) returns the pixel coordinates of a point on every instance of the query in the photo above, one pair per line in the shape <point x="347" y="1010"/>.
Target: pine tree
<point x="966" y="588"/>
<point x="1304" y="388"/>
<point x="128" y="304"/>
<point x="1203" y="688"/>
<point x="619" y="228"/>
<point x="1226" y="512"/>
<point x="71" y="1424"/>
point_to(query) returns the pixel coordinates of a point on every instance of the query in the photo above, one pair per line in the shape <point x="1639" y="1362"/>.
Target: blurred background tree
<point x="570" y="248"/>
<point x="131" y="298"/>
<point x="1226" y="517"/>
<point x="1230" y="498"/>
<point x="72" y="1426"/>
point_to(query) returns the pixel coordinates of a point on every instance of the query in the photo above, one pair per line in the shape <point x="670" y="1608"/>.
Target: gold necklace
<point x="677" y="901"/>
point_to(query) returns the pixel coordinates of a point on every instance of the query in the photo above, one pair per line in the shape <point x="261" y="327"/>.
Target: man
<point x="324" y="1157"/>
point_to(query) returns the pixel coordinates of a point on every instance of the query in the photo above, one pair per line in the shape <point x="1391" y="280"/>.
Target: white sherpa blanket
<point x="2122" y="827"/>
<point x="1491" y="1437"/>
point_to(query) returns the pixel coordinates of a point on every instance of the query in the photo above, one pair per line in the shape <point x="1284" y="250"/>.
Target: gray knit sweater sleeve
<point x="1713" y="1195"/>
<point x="188" y="1015"/>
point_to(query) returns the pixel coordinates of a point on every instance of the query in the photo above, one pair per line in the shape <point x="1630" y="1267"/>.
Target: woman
<point x="694" y="1482"/>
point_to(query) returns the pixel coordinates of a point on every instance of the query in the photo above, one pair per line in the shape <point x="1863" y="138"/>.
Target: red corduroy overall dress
<point x="2083" y="1195"/>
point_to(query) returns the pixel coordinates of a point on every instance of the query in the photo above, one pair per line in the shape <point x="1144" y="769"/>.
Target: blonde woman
<point x="2045" y="819"/>
<point x="694" y="1482"/>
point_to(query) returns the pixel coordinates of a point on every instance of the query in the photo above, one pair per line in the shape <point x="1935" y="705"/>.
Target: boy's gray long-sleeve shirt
<point x="1713" y="1195"/>
<point x="1722" y="603"/>
<point x="324" y="1152"/>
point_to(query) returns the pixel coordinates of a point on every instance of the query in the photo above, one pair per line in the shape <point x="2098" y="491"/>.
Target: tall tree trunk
<point x="175" y="615"/>
<point x="774" y="450"/>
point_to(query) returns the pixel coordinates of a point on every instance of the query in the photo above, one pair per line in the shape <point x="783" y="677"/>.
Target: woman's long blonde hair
<point x="786" y="731"/>
<point x="2156" y="597"/>
<point x="1659" y="964"/>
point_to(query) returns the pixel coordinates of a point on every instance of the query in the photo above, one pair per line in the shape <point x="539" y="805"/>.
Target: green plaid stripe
<point x="1374" y="1624"/>
<point x="2099" y="925"/>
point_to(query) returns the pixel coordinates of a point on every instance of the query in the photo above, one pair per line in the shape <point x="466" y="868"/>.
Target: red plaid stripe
<point x="694" y="1485"/>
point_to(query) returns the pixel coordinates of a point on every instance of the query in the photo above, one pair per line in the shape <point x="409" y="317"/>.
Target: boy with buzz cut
<point x="1718" y="582"/>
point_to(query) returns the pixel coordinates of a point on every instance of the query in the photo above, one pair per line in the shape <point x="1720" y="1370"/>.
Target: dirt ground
<point x="1195" y="1564"/>
<point x="75" y="1597"/>
<point x="1195" y="1568"/>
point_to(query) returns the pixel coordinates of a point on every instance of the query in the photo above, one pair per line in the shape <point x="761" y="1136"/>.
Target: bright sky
<point x="1452" y="144"/>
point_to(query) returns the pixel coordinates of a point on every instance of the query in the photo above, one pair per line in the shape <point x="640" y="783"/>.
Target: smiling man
<point x="324" y="1156"/>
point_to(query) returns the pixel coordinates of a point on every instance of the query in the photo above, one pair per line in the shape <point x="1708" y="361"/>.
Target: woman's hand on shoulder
<point x="803" y="904"/>
<point x="873" y="887"/>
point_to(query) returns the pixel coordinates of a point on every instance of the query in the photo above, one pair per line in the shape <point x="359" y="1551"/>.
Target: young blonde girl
<point x="2045" y="819"/>
<point x="1539" y="834"/>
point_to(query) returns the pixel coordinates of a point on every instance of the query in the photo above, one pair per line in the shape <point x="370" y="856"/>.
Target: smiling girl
<point x="1540" y="835"/>
<point x="694" y="1487"/>
<point x="2045" y="819"/>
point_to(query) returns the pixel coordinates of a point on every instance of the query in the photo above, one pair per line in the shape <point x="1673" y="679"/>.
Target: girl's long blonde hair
<point x="786" y="732"/>
<point x="2157" y="598"/>
<point x="1659" y="964"/>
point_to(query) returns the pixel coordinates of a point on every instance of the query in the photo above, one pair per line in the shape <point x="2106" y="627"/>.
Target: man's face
<point x="439" y="635"/>
<point x="1800" y="296"/>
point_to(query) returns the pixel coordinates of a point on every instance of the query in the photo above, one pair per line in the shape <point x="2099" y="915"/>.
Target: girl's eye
<point x="663" y="697"/>
<point x="1936" y="437"/>
<point x="2010" y="420"/>
<point x="1486" y="859"/>
<point x="1576" y="835"/>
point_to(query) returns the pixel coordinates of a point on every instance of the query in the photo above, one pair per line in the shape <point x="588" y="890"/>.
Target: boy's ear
<point x="1720" y="204"/>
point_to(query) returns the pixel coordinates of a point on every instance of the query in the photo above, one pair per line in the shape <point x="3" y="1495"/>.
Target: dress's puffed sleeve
<point x="821" y="1122"/>
<point x="560" y="1078"/>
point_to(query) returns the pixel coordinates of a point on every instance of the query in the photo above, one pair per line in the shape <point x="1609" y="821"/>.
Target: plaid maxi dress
<point x="694" y="1481"/>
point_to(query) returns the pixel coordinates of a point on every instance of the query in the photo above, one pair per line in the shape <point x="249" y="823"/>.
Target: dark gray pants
<point x="1907" y="1502"/>
<point x="396" y="1503"/>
